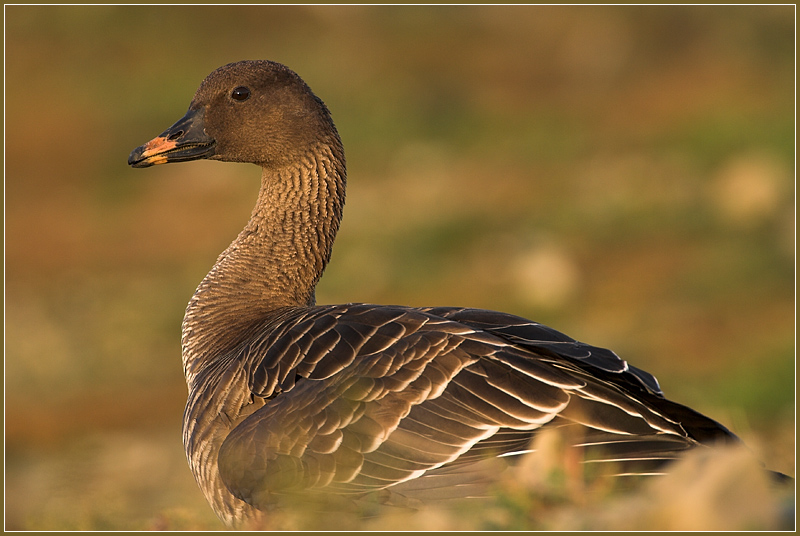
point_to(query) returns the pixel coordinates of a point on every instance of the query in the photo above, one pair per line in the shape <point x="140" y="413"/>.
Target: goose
<point x="396" y="405"/>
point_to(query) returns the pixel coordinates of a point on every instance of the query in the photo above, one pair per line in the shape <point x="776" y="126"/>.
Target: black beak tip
<point x="135" y="158"/>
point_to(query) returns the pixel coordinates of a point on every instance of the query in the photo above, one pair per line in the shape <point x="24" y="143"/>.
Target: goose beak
<point x="185" y="140"/>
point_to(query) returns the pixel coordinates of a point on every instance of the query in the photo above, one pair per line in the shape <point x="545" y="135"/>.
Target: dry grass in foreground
<point x="721" y="489"/>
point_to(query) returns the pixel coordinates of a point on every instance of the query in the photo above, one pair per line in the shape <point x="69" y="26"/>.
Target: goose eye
<point x="240" y="93"/>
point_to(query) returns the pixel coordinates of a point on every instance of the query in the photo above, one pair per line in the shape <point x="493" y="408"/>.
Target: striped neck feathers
<point x="275" y="262"/>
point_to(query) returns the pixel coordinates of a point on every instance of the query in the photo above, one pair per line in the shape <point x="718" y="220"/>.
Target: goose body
<point x="404" y="405"/>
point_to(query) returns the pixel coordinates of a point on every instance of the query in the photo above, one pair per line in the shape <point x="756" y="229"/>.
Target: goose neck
<point x="277" y="259"/>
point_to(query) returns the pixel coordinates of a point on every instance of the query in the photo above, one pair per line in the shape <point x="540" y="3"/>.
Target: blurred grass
<point x="623" y="174"/>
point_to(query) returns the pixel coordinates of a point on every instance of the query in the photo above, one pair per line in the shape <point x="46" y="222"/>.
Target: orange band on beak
<point x="154" y="149"/>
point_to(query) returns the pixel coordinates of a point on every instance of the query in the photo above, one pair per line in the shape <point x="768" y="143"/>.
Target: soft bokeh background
<point x="623" y="174"/>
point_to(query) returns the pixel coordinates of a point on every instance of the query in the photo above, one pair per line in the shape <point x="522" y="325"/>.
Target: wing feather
<point x="361" y="398"/>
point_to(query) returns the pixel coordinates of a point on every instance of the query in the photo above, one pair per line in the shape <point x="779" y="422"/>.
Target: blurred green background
<point x="623" y="174"/>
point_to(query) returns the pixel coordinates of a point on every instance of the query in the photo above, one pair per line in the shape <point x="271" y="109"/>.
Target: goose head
<point x="250" y="111"/>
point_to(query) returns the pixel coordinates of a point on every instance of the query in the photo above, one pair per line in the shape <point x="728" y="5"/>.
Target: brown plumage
<point x="393" y="404"/>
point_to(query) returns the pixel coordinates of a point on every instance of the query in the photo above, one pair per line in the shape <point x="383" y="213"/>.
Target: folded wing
<point x="431" y="403"/>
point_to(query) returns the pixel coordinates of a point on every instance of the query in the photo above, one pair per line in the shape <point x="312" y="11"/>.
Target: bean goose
<point x="399" y="404"/>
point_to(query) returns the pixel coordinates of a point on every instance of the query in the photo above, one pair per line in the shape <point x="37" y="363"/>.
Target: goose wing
<point x="424" y="402"/>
